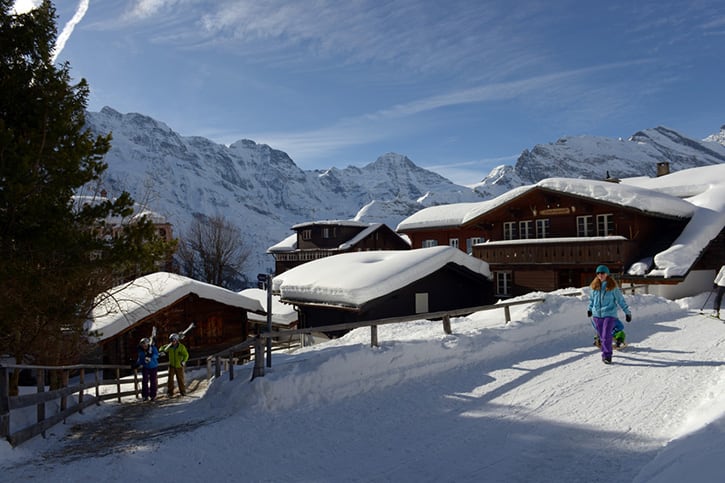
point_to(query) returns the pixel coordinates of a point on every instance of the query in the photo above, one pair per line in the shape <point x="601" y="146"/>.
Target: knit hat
<point x="602" y="269"/>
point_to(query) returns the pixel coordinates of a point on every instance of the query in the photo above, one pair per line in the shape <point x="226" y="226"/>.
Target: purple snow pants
<point x="149" y="382"/>
<point x="604" y="326"/>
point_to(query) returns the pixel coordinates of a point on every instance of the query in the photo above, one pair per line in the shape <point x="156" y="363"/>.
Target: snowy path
<point x="527" y="402"/>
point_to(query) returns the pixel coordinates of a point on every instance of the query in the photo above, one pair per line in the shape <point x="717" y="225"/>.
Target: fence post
<point x="40" y="383"/>
<point x="118" y="383"/>
<point x="507" y="311"/>
<point x="258" y="358"/>
<point x="373" y="336"/>
<point x="231" y="368"/>
<point x="447" y="324"/>
<point x="64" y="375"/>
<point x="4" y="402"/>
<point x="82" y="380"/>
<point x="98" y="387"/>
<point x="217" y="366"/>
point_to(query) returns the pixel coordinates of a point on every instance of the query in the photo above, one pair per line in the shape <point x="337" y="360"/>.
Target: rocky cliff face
<point x="255" y="186"/>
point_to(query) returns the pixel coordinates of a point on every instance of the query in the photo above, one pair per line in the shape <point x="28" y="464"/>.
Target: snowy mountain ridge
<point x="265" y="193"/>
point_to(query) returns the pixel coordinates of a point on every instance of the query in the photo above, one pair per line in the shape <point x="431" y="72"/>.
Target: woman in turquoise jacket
<point x="605" y="297"/>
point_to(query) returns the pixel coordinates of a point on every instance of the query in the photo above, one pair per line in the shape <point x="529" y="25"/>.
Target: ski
<point x="183" y="333"/>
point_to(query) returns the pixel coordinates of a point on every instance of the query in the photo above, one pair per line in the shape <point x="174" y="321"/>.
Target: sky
<point x="459" y="87"/>
<point x="529" y="401"/>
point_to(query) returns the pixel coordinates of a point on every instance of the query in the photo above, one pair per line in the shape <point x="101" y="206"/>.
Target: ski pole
<point x="707" y="300"/>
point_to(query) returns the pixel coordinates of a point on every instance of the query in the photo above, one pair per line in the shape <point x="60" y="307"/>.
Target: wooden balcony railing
<point x="560" y="251"/>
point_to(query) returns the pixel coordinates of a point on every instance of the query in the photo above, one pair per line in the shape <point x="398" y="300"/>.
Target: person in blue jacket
<point x="603" y="302"/>
<point x="148" y="361"/>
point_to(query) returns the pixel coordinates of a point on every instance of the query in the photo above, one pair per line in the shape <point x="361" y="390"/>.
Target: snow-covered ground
<point x="529" y="401"/>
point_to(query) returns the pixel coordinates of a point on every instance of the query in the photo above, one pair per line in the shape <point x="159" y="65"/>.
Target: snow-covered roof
<point x="282" y="314"/>
<point x="437" y="216"/>
<point x="123" y="306"/>
<point x="704" y="189"/>
<point x="289" y="244"/>
<point x="642" y="199"/>
<point x="352" y="279"/>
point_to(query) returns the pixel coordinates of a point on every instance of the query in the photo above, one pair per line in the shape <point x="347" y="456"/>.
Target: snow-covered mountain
<point x="258" y="188"/>
<point x="595" y="157"/>
<point x="265" y="193"/>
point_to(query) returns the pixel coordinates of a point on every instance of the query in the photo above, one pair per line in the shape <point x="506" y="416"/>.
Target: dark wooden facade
<point x="608" y="233"/>
<point x="317" y="240"/>
<point x="450" y="287"/>
<point x="217" y="325"/>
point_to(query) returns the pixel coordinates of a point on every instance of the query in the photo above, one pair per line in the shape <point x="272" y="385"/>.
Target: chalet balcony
<point x="585" y="251"/>
<point x="305" y="255"/>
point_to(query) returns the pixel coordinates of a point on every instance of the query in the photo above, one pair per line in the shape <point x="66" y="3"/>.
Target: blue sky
<point x="457" y="86"/>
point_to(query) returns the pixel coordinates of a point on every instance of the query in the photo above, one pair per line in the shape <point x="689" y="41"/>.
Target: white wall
<point x="695" y="283"/>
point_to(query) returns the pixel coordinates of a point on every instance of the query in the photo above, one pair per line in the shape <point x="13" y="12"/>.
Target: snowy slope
<point x="525" y="402"/>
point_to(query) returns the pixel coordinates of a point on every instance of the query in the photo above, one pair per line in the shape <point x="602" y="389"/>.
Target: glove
<point x="162" y="353"/>
<point x="628" y="317"/>
<point x="147" y="359"/>
<point x="589" y="313"/>
<point x="183" y="363"/>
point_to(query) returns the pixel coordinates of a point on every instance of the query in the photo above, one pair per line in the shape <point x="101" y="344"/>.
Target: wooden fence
<point x="91" y="388"/>
<point x="88" y="387"/>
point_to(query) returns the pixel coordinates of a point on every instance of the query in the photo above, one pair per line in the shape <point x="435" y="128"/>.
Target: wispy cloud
<point x="371" y="127"/>
<point x="144" y="9"/>
<point x="68" y="28"/>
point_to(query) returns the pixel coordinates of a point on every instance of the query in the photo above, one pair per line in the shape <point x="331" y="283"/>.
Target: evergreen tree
<point x="56" y="253"/>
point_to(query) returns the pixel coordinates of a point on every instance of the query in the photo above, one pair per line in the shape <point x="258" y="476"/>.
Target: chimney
<point x="663" y="168"/>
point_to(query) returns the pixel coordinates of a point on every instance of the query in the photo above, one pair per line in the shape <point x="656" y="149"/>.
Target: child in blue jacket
<point x="605" y="297"/>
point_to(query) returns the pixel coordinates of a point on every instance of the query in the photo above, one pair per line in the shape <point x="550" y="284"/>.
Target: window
<point x="421" y="303"/>
<point x="605" y="225"/>
<point x="503" y="283"/>
<point x="509" y="230"/>
<point x="430" y="243"/>
<point x="526" y="229"/>
<point x="585" y="225"/>
<point x="473" y="241"/>
<point x="542" y="228"/>
<point x="306" y="234"/>
<point x="328" y="232"/>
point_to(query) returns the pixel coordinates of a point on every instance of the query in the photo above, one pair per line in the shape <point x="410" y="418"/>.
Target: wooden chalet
<point x="321" y="239"/>
<point x="362" y="286"/>
<point x="553" y="234"/>
<point x="170" y="303"/>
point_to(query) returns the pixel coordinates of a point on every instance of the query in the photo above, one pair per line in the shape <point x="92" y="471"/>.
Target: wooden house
<point x="170" y="303"/>
<point x="321" y="239"/>
<point x="363" y="286"/>
<point x="553" y="234"/>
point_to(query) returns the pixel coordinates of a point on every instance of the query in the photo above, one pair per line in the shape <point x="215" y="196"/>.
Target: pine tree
<point x="54" y="259"/>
